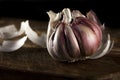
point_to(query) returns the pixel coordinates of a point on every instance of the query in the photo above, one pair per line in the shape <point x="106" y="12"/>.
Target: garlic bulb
<point x="72" y="36"/>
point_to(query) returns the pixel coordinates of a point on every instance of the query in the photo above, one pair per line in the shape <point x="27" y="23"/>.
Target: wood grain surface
<point x="32" y="61"/>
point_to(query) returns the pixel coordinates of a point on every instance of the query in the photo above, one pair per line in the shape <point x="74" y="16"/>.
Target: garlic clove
<point x="105" y="48"/>
<point x="77" y="13"/>
<point x="12" y="45"/>
<point x="92" y="25"/>
<point x="54" y="19"/>
<point x="71" y="43"/>
<point x="59" y="44"/>
<point x="50" y="47"/>
<point x="86" y="39"/>
<point x="93" y="17"/>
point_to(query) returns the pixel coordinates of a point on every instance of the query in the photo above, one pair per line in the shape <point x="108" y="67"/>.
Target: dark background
<point x="106" y="10"/>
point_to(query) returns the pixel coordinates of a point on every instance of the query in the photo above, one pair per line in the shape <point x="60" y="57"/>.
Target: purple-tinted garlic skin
<point x="71" y="36"/>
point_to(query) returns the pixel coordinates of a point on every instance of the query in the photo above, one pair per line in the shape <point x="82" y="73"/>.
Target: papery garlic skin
<point x="72" y="36"/>
<point x="12" y="45"/>
<point x="33" y="36"/>
<point x="9" y="33"/>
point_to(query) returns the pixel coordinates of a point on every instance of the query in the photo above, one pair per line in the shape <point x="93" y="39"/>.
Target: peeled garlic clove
<point x="12" y="45"/>
<point x="33" y="36"/>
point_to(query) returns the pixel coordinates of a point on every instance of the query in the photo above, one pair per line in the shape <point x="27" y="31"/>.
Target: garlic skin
<point x="11" y="45"/>
<point x="7" y="36"/>
<point x="9" y="33"/>
<point x="33" y="36"/>
<point x="72" y="36"/>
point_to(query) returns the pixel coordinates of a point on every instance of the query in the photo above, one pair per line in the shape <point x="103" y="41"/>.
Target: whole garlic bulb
<point x="72" y="36"/>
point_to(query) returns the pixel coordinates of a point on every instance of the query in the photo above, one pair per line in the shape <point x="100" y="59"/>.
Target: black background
<point x="106" y="10"/>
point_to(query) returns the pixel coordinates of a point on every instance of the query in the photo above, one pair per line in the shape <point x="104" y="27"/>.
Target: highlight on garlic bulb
<point x="72" y="36"/>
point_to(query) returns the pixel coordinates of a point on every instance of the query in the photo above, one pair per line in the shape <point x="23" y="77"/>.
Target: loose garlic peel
<point x="10" y="32"/>
<point x="11" y="45"/>
<point x="33" y="36"/>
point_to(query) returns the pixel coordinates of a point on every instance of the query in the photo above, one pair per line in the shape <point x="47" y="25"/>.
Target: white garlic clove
<point x="12" y="45"/>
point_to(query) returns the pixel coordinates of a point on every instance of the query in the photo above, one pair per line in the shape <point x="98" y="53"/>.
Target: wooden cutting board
<point x="34" y="59"/>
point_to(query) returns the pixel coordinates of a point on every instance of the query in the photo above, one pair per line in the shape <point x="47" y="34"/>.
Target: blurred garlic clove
<point x="92" y="16"/>
<point x="12" y="45"/>
<point x="77" y="13"/>
<point x="74" y="36"/>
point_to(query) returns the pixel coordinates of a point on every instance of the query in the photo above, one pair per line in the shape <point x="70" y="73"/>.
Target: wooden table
<point x="33" y="62"/>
